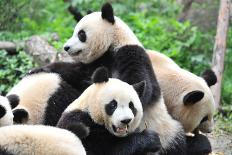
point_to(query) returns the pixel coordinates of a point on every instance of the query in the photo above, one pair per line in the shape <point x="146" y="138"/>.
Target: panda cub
<point x="112" y="111"/>
<point x="190" y="95"/>
<point x="42" y="98"/>
<point x="38" y="140"/>
<point x="6" y="105"/>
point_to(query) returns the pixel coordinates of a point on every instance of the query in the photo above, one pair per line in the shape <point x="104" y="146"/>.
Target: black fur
<point x="58" y="102"/>
<point x="198" y="145"/>
<point x="210" y="77"/>
<point x="193" y="97"/>
<point x="101" y="142"/>
<point x="3" y="151"/>
<point x="140" y="88"/>
<point x="132" y="66"/>
<point x="79" y="129"/>
<point x="13" y="100"/>
<point x="78" y="75"/>
<point x="20" y="116"/>
<point x="100" y="75"/>
<point x="108" y="13"/>
<point x="179" y="147"/>
<point x="2" y="111"/>
<point x="111" y="107"/>
<point x="132" y="107"/>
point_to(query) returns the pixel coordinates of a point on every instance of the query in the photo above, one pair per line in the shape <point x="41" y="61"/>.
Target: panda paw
<point x="152" y="141"/>
<point x="39" y="70"/>
<point x="79" y="129"/>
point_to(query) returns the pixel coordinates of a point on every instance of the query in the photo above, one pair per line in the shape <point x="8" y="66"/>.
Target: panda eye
<point x="131" y="105"/>
<point x="204" y="119"/>
<point x="111" y="107"/>
<point x="82" y="35"/>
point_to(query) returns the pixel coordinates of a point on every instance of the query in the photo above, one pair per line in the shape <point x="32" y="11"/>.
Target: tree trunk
<point x="185" y="11"/>
<point x="220" y="47"/>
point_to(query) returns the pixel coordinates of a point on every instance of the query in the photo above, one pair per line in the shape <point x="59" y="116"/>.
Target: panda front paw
<point x="152" y="141"/>
<point x="39" y="70"/>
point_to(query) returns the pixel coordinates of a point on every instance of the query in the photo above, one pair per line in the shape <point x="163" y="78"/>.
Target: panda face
<point x="6" y="115"/>
<point x="121" y="108"/>
<point x="91" y="34"/>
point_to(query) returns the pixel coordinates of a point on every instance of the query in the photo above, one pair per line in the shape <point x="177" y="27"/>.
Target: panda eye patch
<point x="132" y="107"/>
<point x="82" y="36"/>
<point x="111" y="107"/>
<point x="204" y="119"/>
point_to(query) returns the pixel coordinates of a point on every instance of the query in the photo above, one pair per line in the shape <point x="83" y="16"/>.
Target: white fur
<point x="175" y="83"/>
<point x="96" y="96"/>
<point x="101" y="35"/>
<point x="7" y="119"/>
<point x="34" y="92"/>
<point x="39" y="140"/>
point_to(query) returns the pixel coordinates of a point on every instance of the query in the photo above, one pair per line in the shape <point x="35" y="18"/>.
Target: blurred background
<point x="182" y="29"/>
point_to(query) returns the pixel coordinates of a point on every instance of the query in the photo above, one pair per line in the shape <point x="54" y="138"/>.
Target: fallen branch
<point x="10" y="47"/>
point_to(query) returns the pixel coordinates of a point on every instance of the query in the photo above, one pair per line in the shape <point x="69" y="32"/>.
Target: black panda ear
<point x="100" y="75"/>
<point x="2" y="111"/>
<point x="193" y="97"/>
<point x="140" y="88"/>
<point x="108" y="13"/>
<point x="13" y="100"/>
<point x="210" y="77"/>
<point x="20" y="116"/>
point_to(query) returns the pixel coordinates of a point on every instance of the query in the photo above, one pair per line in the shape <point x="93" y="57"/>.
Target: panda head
<point x="94" y="32"/>
<point x="6" y="105"/>
<point x="118" y="104"/>
<point x="199" y="105"/>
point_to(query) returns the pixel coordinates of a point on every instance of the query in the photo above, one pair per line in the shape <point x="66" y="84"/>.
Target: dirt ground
<point x="221" y="143"/>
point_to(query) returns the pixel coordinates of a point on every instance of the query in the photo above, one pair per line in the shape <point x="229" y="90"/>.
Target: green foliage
<point x="154" y="22"/>
<point x="13" y="68"/>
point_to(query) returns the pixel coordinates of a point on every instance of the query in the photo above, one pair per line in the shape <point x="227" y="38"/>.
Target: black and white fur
<point x="38" y="140"/>
<point x="112" y="111"/>
<point x="6" y="105"/>
<point x="99" y="31"/>
<point x="42" y="98"/>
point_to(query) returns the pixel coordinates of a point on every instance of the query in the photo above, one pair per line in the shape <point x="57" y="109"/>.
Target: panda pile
<point x="42" y="98"/>
<point x="189" y="96"/>
<point x="112" y="111"/>
<point x="6" y="105"/>
<point x="38" y="140"/>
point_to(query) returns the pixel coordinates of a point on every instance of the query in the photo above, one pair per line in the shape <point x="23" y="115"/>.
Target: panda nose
<point x="66" y="48"/>
<point x="126" y="121"/>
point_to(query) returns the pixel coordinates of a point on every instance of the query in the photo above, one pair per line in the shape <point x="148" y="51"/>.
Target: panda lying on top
<point x="112" y="111"/>
<point x="6" y="105"/>
<point x="187" y="96"/>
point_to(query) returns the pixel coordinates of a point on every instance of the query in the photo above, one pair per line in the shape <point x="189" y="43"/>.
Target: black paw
<point x="39" y="70"/>
<point x="152" y="141"/>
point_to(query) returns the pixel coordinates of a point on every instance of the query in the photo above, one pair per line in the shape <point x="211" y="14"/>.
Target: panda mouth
<point x="75" y="53"/>
<point x="120" y="130"/>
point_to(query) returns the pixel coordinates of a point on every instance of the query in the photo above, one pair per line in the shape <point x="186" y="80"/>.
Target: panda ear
<point x="108" y="13"/>
<point x="193" y="97"/>
<point x="140" y="88"/>
<point x="14" y="100"/>
<point x="20" y="116"/>
<point x="2" y="111"/>
<point x="100" y="75"/>
<point x="210" y="77"/>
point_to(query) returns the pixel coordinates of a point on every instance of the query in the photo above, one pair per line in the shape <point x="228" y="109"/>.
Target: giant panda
<point x="112" y="111"/>
<point x="42" y="98"/>
<point x="130" y="64"/>
<point x="39" y="140"/>
<point x="187" y="96"/>
<point x="6" y="105"/>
